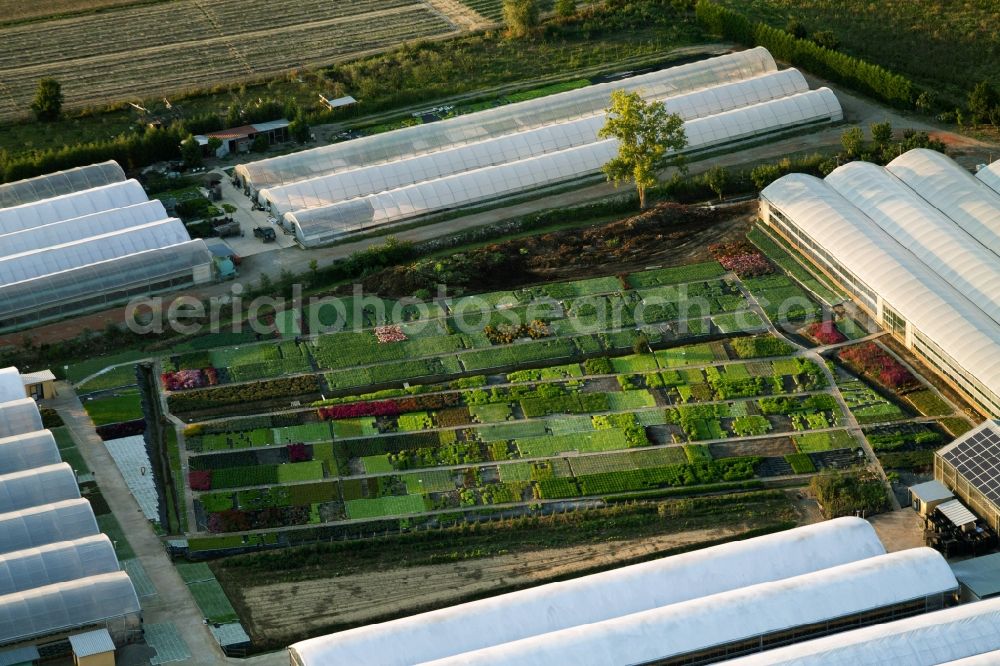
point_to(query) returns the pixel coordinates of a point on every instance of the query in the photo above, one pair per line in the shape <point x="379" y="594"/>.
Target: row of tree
<point x="806" y="53"/>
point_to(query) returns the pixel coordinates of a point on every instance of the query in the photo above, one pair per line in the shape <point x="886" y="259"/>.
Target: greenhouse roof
<point x="19" y="416"/>
<point x="11" y="386"/>
<point x="952" y="190"/>
<point x="62" y="606"/>
<point x="738" y="615"/>
<point x="81" y="228"/>
<point x="322" y="224"/>
<point x="40" y="525"/>
<point x="348" y="184"/>
<point x="28" y="450"/>
<point x="930" y="235"/>
<point x="56" y="563"/>
<point x="925" y="640"/>
<point x="38" y="486"/>
<point x="990" y="176"/>
<point x="68" y="206"/>
<point x="60" y="182"/>
<point x="420" y="139"/>
<point x="940" y="312"/>
<point x="598" y="597"/>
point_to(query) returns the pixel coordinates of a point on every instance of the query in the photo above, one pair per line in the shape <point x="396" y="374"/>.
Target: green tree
<point x="520" y="17"/>
<point x="48" y="101"/>
<point x="641" y="344"/>
<point x="717" y="178"/>
<point x="645" y="132"/>
<point x="565" y="8"/>
<point x="795" y="28"/>
<point x="853" y="141"/>
<point x="826" y="39"/>
<point x="259" y="144"/>
<point x="881" y="133"/>
<point x="763" y="175"/>
<point x="982" y="102"/>
<point x="299" y="129"/>
<point x="191" y="152"/>
<point x="214" y="143"/>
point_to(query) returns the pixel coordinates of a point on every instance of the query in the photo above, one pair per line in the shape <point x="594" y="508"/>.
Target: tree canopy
<point x="645" y="132"/>
<point x="48" y="100"/>
<point x="520" y="17"/>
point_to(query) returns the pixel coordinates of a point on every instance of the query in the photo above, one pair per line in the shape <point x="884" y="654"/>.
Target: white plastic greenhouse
<point x="952" y="190"/>
<point x="105" y="283"/>
<point x="40" y="525"/>
<point x="375" y="178"/>
<point x="57" y="562"/>
<point x="38" y="486"/>
<point x="595" y="598"/>
<point x="949" y="637"/>
<point x="741" y="618"/>
<point x="990" y="176"/>
<point x="420" y="139"/>
<point x="11" y="386"/>
<point x="881" y="273"/>
<point x="59" y="183"/>
<point x="924" y="230"/>
<point x="19" y="416"/>
<point x="68" y="206"/>
<point x="81" y="228"/>
<point x="33" y="449"/>
<point x="108" y="599"/>
<point x="315" y="226"/>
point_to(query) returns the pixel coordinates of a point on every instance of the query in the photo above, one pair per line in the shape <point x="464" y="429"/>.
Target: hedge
<point x="832" y="65"/>
<point x="285" y="388"/>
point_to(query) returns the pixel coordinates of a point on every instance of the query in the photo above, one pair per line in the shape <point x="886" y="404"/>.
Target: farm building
<point x="39" y="385"/>
<point x="40" y="525"/>
<point x="33" y="487"/>
<point x="59" y="183"/>
<point x="968" y="467"/>
<point x="241" y="139"/>
<point x="328" y="192"/>
<point x="745" y="620"/>
<point x="18" y="417"/>
<point x="978" y="577"/>
<point x="966" y="634"/>
<point x="913" y="244"/>
<point x="56" y="563"/>
<point x="91" y="249"/>
<point x="596" y="598"/>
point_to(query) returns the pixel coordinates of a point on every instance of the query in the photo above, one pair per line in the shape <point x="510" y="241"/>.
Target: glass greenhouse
<point x="38" y="486"/>
<point x="316" y="226"/>
<point x="19" y="416"/>
<point x="69" y="206"/>
<point x="59" y="183"/>
<point x="81" y="228"/>
<point x="106" y="599"/>
<point x="57" y="562"/>
<point x="40" y="525"/>
<point x="104" y="284"/>
<point x="353" y="183"/>
<point x="899" y="290"/>
<point x="924" y="230"/>
<point x="420" y="139"/>
<point x="33" y="449"/>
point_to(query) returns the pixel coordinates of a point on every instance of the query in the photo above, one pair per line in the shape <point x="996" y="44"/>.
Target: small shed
<point x="925" y="497"/>
<point x="958" y="515"/>
<point x="978" y="578"/>
<point x="93" y="648"/>
<point x="39" y="385"/>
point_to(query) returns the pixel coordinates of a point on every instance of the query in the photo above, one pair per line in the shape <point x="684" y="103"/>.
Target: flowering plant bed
<point x="189" y="379"/>
<point x="391" y="333"/>
<point x="825" y="333"/>
<point x="741" y="258"/>
<point x="870" y="359"/>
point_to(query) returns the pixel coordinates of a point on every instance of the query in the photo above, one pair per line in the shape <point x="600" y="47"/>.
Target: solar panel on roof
<point x="978" y="460"/>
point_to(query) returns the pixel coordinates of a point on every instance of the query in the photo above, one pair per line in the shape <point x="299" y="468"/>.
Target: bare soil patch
<point x="763" y="447"/>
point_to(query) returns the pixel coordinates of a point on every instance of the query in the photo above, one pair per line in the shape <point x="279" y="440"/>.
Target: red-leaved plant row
<point x="189" y="379"/>
<point x="872" y="360"/>
<point x="299" y="453"/>
<point x="200" y="479"/>
<point x="742" y="258"/>
<point x="389" y="407"/>
<point x="236" y="520"/>
<point x="119" y="430"/>
<point x="825" y="333"/>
